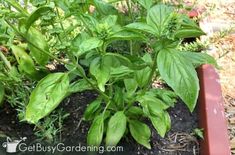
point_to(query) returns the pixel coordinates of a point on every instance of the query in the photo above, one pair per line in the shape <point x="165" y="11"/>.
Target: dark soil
<point x="178" y="141"/>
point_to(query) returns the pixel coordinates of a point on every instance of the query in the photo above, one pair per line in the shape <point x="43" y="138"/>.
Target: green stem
<point x="131" y="47"/>
<point x="106" y="108"/>
<point x="57" y="11"/>
<point x="131" y="17"/>
<point x="53" y="25"/>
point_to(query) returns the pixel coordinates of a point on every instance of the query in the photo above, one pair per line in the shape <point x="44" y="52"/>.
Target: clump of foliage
<point x="80" y="38"/>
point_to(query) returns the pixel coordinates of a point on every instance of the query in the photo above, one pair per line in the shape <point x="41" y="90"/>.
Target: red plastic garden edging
<point x="211" y="114"/>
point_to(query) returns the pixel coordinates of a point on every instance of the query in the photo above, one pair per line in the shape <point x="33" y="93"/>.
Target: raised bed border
<point x="211" y="114"/>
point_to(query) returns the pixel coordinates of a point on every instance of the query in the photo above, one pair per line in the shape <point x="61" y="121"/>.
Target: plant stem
<point x="57" y="11"/>
<point x="131" y="47"/>
<point x="131" y="17"/>
<point x="106" y="108"/>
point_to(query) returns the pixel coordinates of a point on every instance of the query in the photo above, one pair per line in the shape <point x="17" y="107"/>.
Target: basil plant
<point x="122" y="77"/>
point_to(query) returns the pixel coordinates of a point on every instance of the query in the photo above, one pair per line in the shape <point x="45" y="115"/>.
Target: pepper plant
<point x="123" y="78"/>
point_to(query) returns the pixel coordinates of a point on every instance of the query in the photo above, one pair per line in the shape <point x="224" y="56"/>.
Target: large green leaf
<point x="116" y="60"/>
<point x="91" y="109"/>
<point x="158" y="17"/>
<point x="116" y="128"/>
<point x="88" y="45"/>
<point x="36" y="38"/>
<point x="36" y="15"/>
<point x="95" y="133"/>
<point x="100" y="71"/>
<point x="140" y="132"/>
<point x="161" y="123"/>
<point x="180" y="75"/>
<point x="199" y="58"/>
<point x="47" y="95"/>
<point x="125" y="35"/>
<point x="141" y="27"/>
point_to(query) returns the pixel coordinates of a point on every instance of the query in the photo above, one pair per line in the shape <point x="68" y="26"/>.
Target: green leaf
<point x="126" y="35"/>
<point x="116" y="128"/>
<point x="47" y="95"/>
<point x="134" y="112"/>
<point x="95" y="133"/>
<point x="105" y="8"/>
<point x="146" y="3"/>
<point x="131" y="86"/>
<point x="154" y="105"/>
<point x="110" y="20"/>
<point x="88" y="45"/>
<point x="189" y="32"/>
<point x="189" y="29"/>
<point x="142" y="76"/>
<point x="140" y="132"/>
<point x="79" y="86"/>
<point x="180" y="75"/>
<point x="199" y="133"/>
<point x="75" y="71"/>
<point x="37" y="39"/>
<point x="118" y="97"/>
<point x="25" y="62"/>
<point x="161" y="123"/>
<point x="121" y="72"/>
<point x="115" y="56"/>
<point x="158" y="17"/>
<point x="91" y="109"/>
<point x="36" y="15"/>
<point x="2" y="93"/>
<point x="167" y="96"/>
<point x="100" y="72"/>
<point x="141" y="27"/>
<point x="119" y="59"/>
<point x="199" y="59"/>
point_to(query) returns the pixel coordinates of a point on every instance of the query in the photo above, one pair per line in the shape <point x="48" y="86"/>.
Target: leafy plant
<point x="121" y="78"/>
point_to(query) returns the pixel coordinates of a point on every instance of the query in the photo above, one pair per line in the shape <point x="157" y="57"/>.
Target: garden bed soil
<point x="179" y="140"/>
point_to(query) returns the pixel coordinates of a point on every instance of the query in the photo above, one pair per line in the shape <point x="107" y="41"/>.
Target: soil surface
<point x="178" y="141"/>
